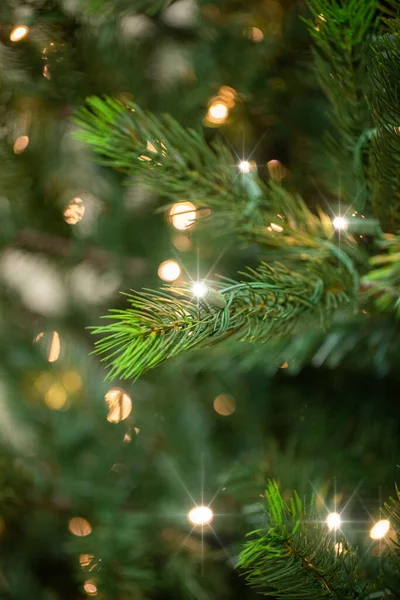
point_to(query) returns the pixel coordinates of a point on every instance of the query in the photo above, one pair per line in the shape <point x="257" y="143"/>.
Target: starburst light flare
<point x="200" y="515"/>
<point x="333" y="520"/>
<point x="340" y="223"/>
<point x="244" y="166"/>
<point x="200" y="289"/>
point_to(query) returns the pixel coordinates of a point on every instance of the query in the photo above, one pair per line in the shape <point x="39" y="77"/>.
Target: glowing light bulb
<point x="18" y="33"/>
<point x="340" y="223"/>
<point x="244" y="166"/>
<point x="20" y="144"/>
<point x="200" y="289"/>
<point x="169" y="270"/>
<point x="200" y="515"/>
<point x="333" y="520"/>
<point x="90" y="588"/>
<point x="182" y="215"/>
<point x="217" y="112"/>
<point x="379" y="530"/>
<point x="339" y="548"/>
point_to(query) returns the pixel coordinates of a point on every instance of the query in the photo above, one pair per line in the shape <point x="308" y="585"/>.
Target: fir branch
<point x="164" y="156"/>
<point x="341" y="33"/>
<point x="159" y="326"/>
<point x="294" y="556"/>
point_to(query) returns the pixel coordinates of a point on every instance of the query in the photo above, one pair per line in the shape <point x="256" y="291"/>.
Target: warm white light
<point x="169" y="270"/>
<point x="20" y="144"/>
<point x="182" y="215"/>
<point x="200" y="289"/>
<point x="218" y="112"/>
<point x="119" y="404"/>
<point x="379" y="530"/>
<point x="339" y="548"/>
<point x="74" y="211"/>
<point x="333" y="520"/>
<point x="18" y="33"/>
<point x="201" y="515"/>
<point x="244" y="166"/>
<point x="340" y="223"/>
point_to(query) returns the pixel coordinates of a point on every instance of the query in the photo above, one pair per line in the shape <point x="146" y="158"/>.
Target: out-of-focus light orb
<point x="85" y="559"/>
<point x="199" y="289"/>
<point x="90" y="588"/>
<point x="18" y="33"/>
<point x="340" y="223"/>
<point x="54" y="347"/>
<point x="276" y="170"/>
<point x="200" y="515"/>
<point x="169" y="270"/>
<point x="46" y="72"/>
<point x="56" y="397"/>
<point x="225" y="405"/>
<point x="333" y="520"/>
<point x="21" y="144"/>
<point x="182" y="243"/>
<point x="339" y="548"/>
<point x="79" y="526"/>
<point x="74" y="211"/>
<point x="276" y="227"/>
<point x="119" y="404"/>
<point x="72" y="381"/>
<point x="217" y="112"/>
<point x="255" y="34"/>
<point x="182" y="215"/>
<point x="379" y="530"/>
<point x="244" y="166"/>
<point x="285" y="365"/>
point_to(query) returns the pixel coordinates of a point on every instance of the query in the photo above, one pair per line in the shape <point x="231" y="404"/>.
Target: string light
<point x="244" y="166"/>
<point x="200" y="515"/>
<point x="54" y="347"/>
<point x="74" y="211"/>
<point x="119" y="404"/>
<point x="333" y="520"/>
<point x="255" y="34"/>
<point x="79" y="527"/>
<point x="20" y="144"/>
<point x="200" y="289"/>
<point x="169" y="270"/>
<point x="225" y="405"/>
<point x="90" y="588"/>
<point x="182" y="215"/>
<point x="379" y="530"/>
<point x="85" y="559"/>
<point x="339" y="548"/>
<point x="217" y="112"/>
<point x="340" y="223"/>
<point x="18" y="33"/>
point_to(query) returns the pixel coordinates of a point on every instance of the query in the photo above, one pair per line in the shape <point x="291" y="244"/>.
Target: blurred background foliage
<point x="316" y="411"/>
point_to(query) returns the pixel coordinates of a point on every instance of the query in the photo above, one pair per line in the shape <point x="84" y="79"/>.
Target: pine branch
<point x="382" y="283"/>
<point x="294" y="556"/>
<point x="158" y="326"/>
<point x="176" y="162"/>
<point x="341" y="33"/>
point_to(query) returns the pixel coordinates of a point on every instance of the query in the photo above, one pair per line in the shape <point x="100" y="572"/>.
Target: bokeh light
<point x="79" y="526"/>
<point x="182" y="215"/>
<point x="200" y="515"/>
<point x="379" y="530"/>
<point x="56" y="397"/>
<point x="85" y="559"/>
<point x="217" y="112"/>
<point x="244" y="166"/>
<point x="90" y="588"/>
<point x="339" y="548"/>
<point x="225" y="405"/>
<point x="18" y="33"/>
<point x="255" y="34"/>
<point x="182" y="243"/>
<point x="169" y="270"/>
<point x="74" y="211"/>
<point x="119" y="404"/>
<point x="72" y="381"/>
<point x="53" y="345"/>
<point x="21" y="144"/>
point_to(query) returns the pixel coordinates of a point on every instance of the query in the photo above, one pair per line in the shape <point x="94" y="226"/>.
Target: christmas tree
<point x="246" y="155"/>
